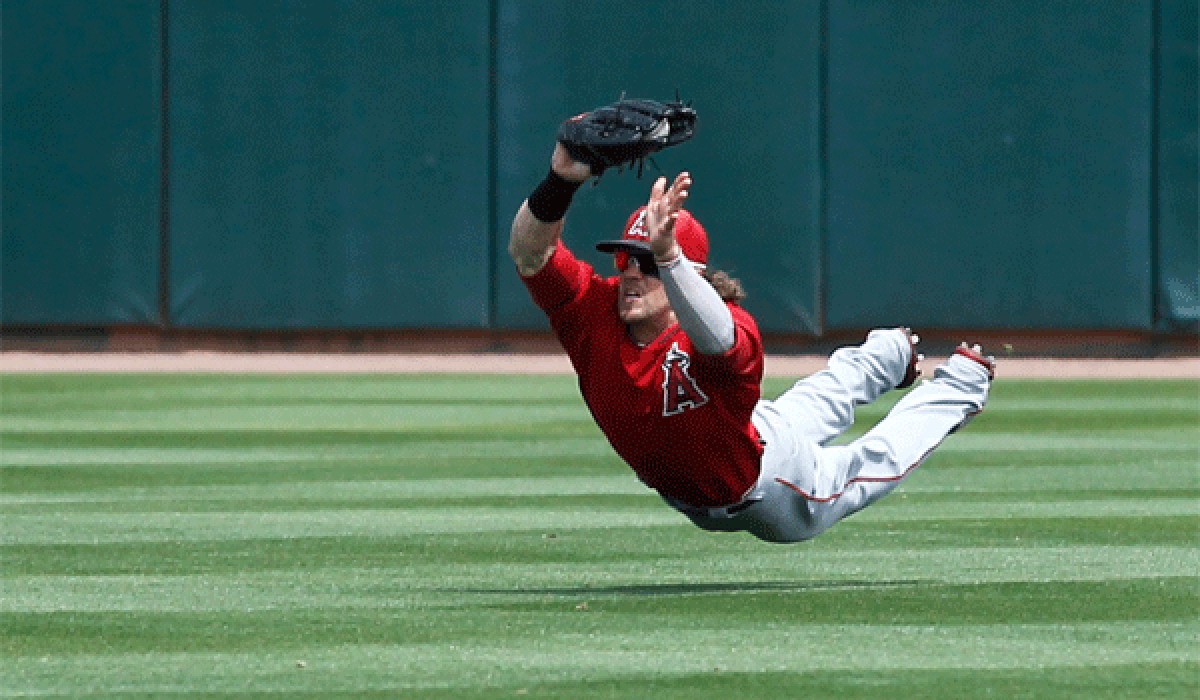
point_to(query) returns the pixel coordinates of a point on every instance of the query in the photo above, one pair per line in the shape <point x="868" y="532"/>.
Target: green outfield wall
<point x="82" y="151"/>
<point x="343" y="164"/>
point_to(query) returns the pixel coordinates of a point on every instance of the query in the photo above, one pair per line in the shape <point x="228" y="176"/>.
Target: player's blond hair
<point x="729" y="288"/>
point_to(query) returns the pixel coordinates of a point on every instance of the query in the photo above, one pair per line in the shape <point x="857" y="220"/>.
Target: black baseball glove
<point x="626" y="132"/>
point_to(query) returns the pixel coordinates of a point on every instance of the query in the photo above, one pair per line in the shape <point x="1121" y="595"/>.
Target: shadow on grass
<point x="672" y="589"/>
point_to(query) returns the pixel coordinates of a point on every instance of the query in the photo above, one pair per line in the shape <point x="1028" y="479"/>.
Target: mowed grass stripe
<point x="209" y="457"/>
<point x="64" y="391"/>
<point x="27" y="444"/>
<point x="414" y="582"/>
<point x="597" y="546"/>
<point x="688" y="606"/>
<point x="1170" y="479"/>
<point x="601" y="654"/>
<point x="1002" y="484"/>
<point x="367" y="490"/>
<point x="319" y="417"/>
<point x="1169" y="447"/>
<point x="1149" y="405"/>
<point x="87" y="528"/>
<point x="1168" y="442"/>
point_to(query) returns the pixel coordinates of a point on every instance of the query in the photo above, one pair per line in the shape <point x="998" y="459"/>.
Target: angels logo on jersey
<point x="680" y="392"/>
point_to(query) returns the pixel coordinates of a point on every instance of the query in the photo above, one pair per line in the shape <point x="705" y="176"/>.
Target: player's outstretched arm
<point x="662" y="211"/>
<point x="539" y="222"/>
<point x="701" y="312"/>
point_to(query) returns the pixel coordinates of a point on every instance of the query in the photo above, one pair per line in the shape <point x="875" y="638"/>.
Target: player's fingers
<point x="679" y="189"/>
<point x="659" y="188"/>
<point x="682" y="182"/>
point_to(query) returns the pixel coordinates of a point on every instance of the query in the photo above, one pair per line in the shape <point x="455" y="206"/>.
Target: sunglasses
<point x="645" y="262"/>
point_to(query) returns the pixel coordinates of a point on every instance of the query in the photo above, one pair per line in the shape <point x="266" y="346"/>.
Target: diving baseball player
<point x="670" y="366"/>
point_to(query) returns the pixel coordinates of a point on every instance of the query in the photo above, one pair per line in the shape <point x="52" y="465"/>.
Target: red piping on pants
<point x="864" y="479"/>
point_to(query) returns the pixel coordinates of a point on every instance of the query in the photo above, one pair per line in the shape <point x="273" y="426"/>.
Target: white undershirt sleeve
<point x="702" y="313"/>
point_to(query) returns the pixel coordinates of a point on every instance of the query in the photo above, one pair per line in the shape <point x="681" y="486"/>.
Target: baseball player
<point x="670" y="367"/>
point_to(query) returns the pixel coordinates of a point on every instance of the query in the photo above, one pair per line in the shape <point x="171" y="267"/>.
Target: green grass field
<point x="437" y="536"/>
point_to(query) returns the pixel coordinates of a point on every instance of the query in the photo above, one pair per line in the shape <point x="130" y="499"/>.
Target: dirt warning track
<point x="517" y="363"/>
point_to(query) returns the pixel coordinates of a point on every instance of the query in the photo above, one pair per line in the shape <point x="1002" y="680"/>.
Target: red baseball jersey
<point x="679" y="418"/>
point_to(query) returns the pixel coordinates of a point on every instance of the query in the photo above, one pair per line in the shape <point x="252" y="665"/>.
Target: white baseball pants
<point x="806" y="485"/>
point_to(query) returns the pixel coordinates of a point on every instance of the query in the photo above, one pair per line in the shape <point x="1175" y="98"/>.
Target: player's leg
<point x="806" y="488"/>
<point x="858" y="474"/>
<point x="821" y="406"/>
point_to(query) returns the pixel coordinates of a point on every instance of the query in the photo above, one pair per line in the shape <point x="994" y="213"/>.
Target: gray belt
<point x="714" y="511"/>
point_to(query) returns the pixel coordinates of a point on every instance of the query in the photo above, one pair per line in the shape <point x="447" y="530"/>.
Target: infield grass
<point x="338" y="536"/>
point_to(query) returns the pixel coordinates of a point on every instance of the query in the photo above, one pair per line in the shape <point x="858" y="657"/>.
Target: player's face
<point x="642" y="298"/>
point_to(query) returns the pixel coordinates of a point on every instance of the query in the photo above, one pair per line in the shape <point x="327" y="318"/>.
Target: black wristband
<point x="550" y="199"/>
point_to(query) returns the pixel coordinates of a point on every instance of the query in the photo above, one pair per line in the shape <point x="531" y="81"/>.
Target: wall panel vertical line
<point x="492" y="205"/>
<point x="822" y="176"/>
<point x="164" y="186"/>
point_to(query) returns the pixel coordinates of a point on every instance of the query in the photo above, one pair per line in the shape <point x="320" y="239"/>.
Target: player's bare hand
<point x="567" y="167"/>
<point x="661" y="213"/>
